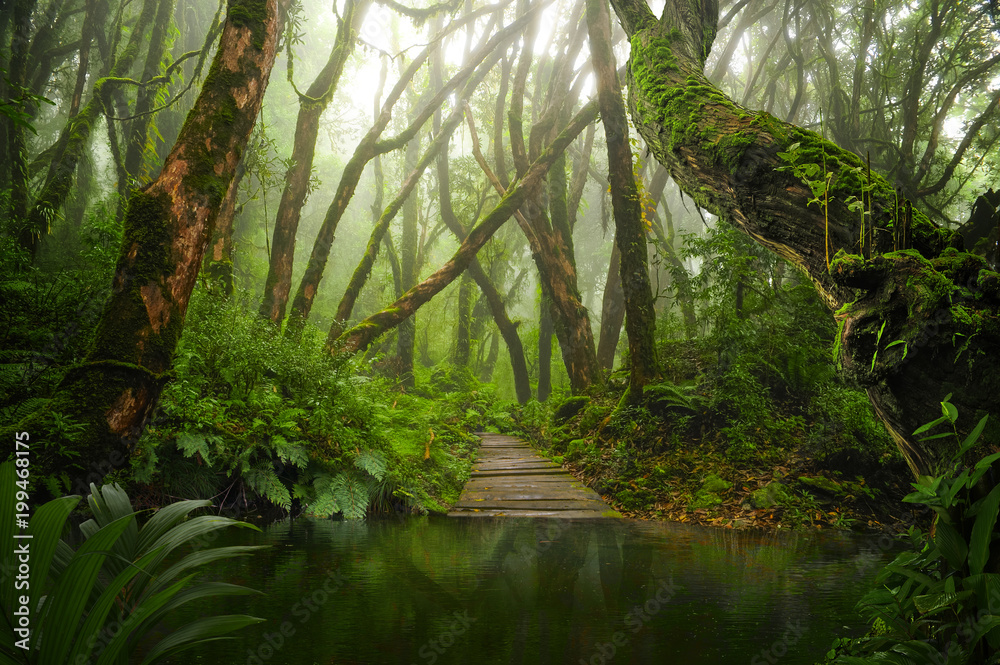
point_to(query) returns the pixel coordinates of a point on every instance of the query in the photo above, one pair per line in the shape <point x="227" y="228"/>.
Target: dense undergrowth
<point x="256" y="421"/>
<point x="750" y="424"/>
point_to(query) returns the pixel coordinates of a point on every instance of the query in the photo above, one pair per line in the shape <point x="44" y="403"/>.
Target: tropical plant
<point x="99" y="602"/>
<point x="940" y="601"/>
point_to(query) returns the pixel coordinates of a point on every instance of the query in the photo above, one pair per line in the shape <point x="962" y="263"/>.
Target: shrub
<point x="98" y="601"/>
<point x="940" y="601"/>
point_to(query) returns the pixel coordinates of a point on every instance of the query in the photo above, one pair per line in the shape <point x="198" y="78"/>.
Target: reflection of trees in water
<point x="551" y="591"/>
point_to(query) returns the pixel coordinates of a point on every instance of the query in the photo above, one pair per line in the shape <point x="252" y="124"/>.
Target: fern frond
<point x="371" y="461"/>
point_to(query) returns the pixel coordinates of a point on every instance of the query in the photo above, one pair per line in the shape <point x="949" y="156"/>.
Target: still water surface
<point x="436" y="591"/>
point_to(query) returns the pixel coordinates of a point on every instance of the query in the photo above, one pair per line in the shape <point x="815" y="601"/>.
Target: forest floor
<point x="683" y="470"/>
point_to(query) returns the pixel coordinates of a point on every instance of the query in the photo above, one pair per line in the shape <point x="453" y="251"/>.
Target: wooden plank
<point x="561" y="514"/>
<point x="561" y="504"/>
<point x="510" y="479"/>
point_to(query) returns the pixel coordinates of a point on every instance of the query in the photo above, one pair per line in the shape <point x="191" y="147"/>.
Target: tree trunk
<point x="408" y="271"/>
<point x="311" y="106"/>
<point x="364" y="333"/>
<point x="630" y="236"/>
<point x="612" y="312"/>
<point x="545" y="332"/>
<point x="219" y="258"/>
<point x="940" y="302"/>
<point x="167" y="227"/>
<point x="463" y="329"/>
<point x="16" y="148"/>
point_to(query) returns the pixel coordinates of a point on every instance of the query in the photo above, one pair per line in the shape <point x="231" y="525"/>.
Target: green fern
<point x="371" y="461"/>
<point x="262" y="479"/>
<point x="352" y="494"/>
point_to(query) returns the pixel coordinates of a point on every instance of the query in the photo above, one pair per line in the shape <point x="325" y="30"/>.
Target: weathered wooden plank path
<point x="511" y="479"/>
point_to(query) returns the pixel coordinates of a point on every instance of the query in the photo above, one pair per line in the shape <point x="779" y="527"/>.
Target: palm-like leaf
<point x="116" y="575"/>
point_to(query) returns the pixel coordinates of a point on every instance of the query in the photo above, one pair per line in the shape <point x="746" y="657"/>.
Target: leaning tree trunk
<point x="167" y="227"/>
<point x="940" y="302"/>
<point x="361" y="336"/>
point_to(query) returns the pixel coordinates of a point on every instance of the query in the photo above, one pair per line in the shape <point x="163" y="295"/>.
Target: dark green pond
<point x="428" y="591"/>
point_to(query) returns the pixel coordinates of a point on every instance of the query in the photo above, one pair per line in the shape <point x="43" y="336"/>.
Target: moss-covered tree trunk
<point x="16" y="167"/>
<point x="545" y="333"/>
<point x="167" y="227"/>
<point x="408" y="270"/>
<point x="278" y="283"/>
<point x="219" y="256"/>
<point x="939" y="301"/>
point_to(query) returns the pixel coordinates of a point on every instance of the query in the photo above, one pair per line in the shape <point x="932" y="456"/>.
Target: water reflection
<point x="494" y="590"/>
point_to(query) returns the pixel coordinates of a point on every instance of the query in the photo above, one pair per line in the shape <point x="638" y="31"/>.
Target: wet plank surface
<point x="510" y="478"/>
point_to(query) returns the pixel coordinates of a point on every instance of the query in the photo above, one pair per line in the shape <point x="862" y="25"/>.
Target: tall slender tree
<point x="630" y="236"/>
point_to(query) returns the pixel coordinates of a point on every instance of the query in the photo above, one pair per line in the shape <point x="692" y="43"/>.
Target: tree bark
<point x="550" y="237"/>
<point x="364" y="333"/>
<point x="219" y="257"/>
<point x="16" y="157"/>
<point x="311" y="106"/>
<point x="612" y="312"/>
<point x="408" y="270"/>
<point x="941" y="302"/>
<point x="630" y="236"/>
<point x="167" y="227"/>
<point x="545" y="333"/>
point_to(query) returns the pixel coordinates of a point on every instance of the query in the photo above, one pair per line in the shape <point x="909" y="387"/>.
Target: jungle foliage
<point x="939" y="601"/>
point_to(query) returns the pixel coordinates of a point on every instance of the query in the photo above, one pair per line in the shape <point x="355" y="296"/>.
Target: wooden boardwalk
<point x="511" y="479"/>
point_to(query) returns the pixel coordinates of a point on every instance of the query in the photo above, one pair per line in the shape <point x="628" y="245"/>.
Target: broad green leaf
<point x="164" y="519"/>
<point x="70" y="597"/>
<point x="927" y="426"/>
<point x="982" y="467"/>
<point x="134" y="623"/>
<point x="201" y="558"/>
<point x="98" y="612"/>
<point x="203" y="630"/>
<point x="973" y="436"/>
<point x="929" y="603"/>
<point x="983" y="530"/>
<point x="951" y="544"/>
<point x="46" y="530"/>
<point x="206" y="590"/>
